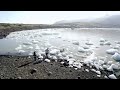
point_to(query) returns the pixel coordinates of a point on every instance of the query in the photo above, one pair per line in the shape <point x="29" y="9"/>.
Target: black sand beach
<point x="13" y="67"/>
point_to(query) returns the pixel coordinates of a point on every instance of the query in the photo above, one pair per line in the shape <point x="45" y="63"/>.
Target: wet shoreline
<point x="10" y="69"/>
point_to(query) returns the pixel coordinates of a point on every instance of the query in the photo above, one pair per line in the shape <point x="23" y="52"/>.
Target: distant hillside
<point x="109" y="21"/>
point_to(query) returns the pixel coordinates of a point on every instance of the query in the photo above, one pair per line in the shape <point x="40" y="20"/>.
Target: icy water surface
<point x="79" y="44"/>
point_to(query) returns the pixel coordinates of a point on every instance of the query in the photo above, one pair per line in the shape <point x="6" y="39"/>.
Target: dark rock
<point x="78" y="77"/>
<point x="66" y="64"/>
<point x="49" y="73"/>
<point x="32" y="71"/>
<point x="70" y="70"/>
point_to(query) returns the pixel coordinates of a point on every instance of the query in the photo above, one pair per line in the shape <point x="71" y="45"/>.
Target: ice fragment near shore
<point x="47" y="60"/>
<point x="112" y="76"/>
<point x="111" y="51"/>
<point x="116" y="57"/>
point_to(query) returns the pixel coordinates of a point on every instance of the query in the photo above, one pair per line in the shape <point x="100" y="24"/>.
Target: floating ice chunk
<point x="115" y="66"/>
<point x="54" y="51"/>
<point x="111" y="51"/>
<point x="39" y="56"/>
<point x="21" y="51"/>
<point x="30" y="47"/>
<point x="35" y="42"/>
<point x="93" y="70"/>
<point x="102" y="40"/>
<point x="98" y="75"/>
<point x="105" y="77"/>
<point x="70" y="56"/>
<point x="81" y="49"/>
<point x="54" y="57"/>
<point x="62" y="62"/>
<point x="107" y="43"/>
<point x="116" y="47"/>
<point x="64" y="54"/>
<point x="37" y="47"/>
<point x="112" y="76"/>
<point x="86" y="70"/>
<point x="78" y="65"/>
<point x="118" y="42"/>
<point x="116" y="57"/>
<point x="110" y="68"/>
<point x="59" y="37"/>
<point x="71" y="62"/>
<point x="102" y="58"/>
<point x="27" y="43"/>
<point x="19" y="47"/>
<point x="89" y="43"/>
<point x="101" y="43"/>
<point x="101" y="62"/>
<point x="105" y="66"/>
<point x="96" y="66"/>
<point x="109" y="62"/>
<point x="98" y="72"/>
<point x="75" y="42"/>
<point x="47" y="60"/>
<point x="86" y="47"/>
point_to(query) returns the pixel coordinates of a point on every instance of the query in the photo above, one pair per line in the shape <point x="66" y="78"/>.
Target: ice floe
<point x="47" y="60"/>
<point x="112" y="76"/>
<point x="19" y="47"/>
<point x="75" y="42"/>
<point x="116" y="57"/>
<point x="81" y="49"/>
<point x="21" y="51"/>
<point x="107" y="43"/>
<point x="98" y="75"/>
<point x="86" y="70"/>
<point x="89" y="43"/>
<point x="54" y="51"/>
<point x="117" y="42"/>
<point x="111" y="51"/>
<point x="102" y="40"/>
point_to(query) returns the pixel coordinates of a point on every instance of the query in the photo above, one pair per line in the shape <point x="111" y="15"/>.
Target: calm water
<point x="38" y="40"/>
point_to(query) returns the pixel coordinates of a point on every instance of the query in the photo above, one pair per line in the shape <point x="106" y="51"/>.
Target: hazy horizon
<point x="50" y="17"/>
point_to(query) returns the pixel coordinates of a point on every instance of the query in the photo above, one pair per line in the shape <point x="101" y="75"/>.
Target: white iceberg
<point x="111" y="51"/>
<point x="21" y="51"/>
<point x="89" y="43"/>
<point x="75" y="42"/>
<point x="107" y="43"/>
<point x="117" y="42"/>
<point x="116" y="47"/>
<point x="98" y="75"/>
<point x="81" y="49"/>
<point x="27" y="43"/>
<point x="116" y="57"/>
<point x="86" y="70"/>
<point x="101" y="43"/>
<point x="102" y="40"/>
<point x="19" y="47"/>
<point x="54" y="51"/>
<point x="112" y="76"/>
<point x="86" y="47"/>
<point x="98" y="72"/>
<point x="47" y="60"/>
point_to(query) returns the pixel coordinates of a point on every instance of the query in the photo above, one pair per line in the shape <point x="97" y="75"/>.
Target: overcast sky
<point x="49" y="17"/>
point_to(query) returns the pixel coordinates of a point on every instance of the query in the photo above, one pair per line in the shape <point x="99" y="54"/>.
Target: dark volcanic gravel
<point x="22" y="67"/>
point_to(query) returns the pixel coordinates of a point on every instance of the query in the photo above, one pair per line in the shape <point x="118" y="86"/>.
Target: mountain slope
<point x="109" y="21"/>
